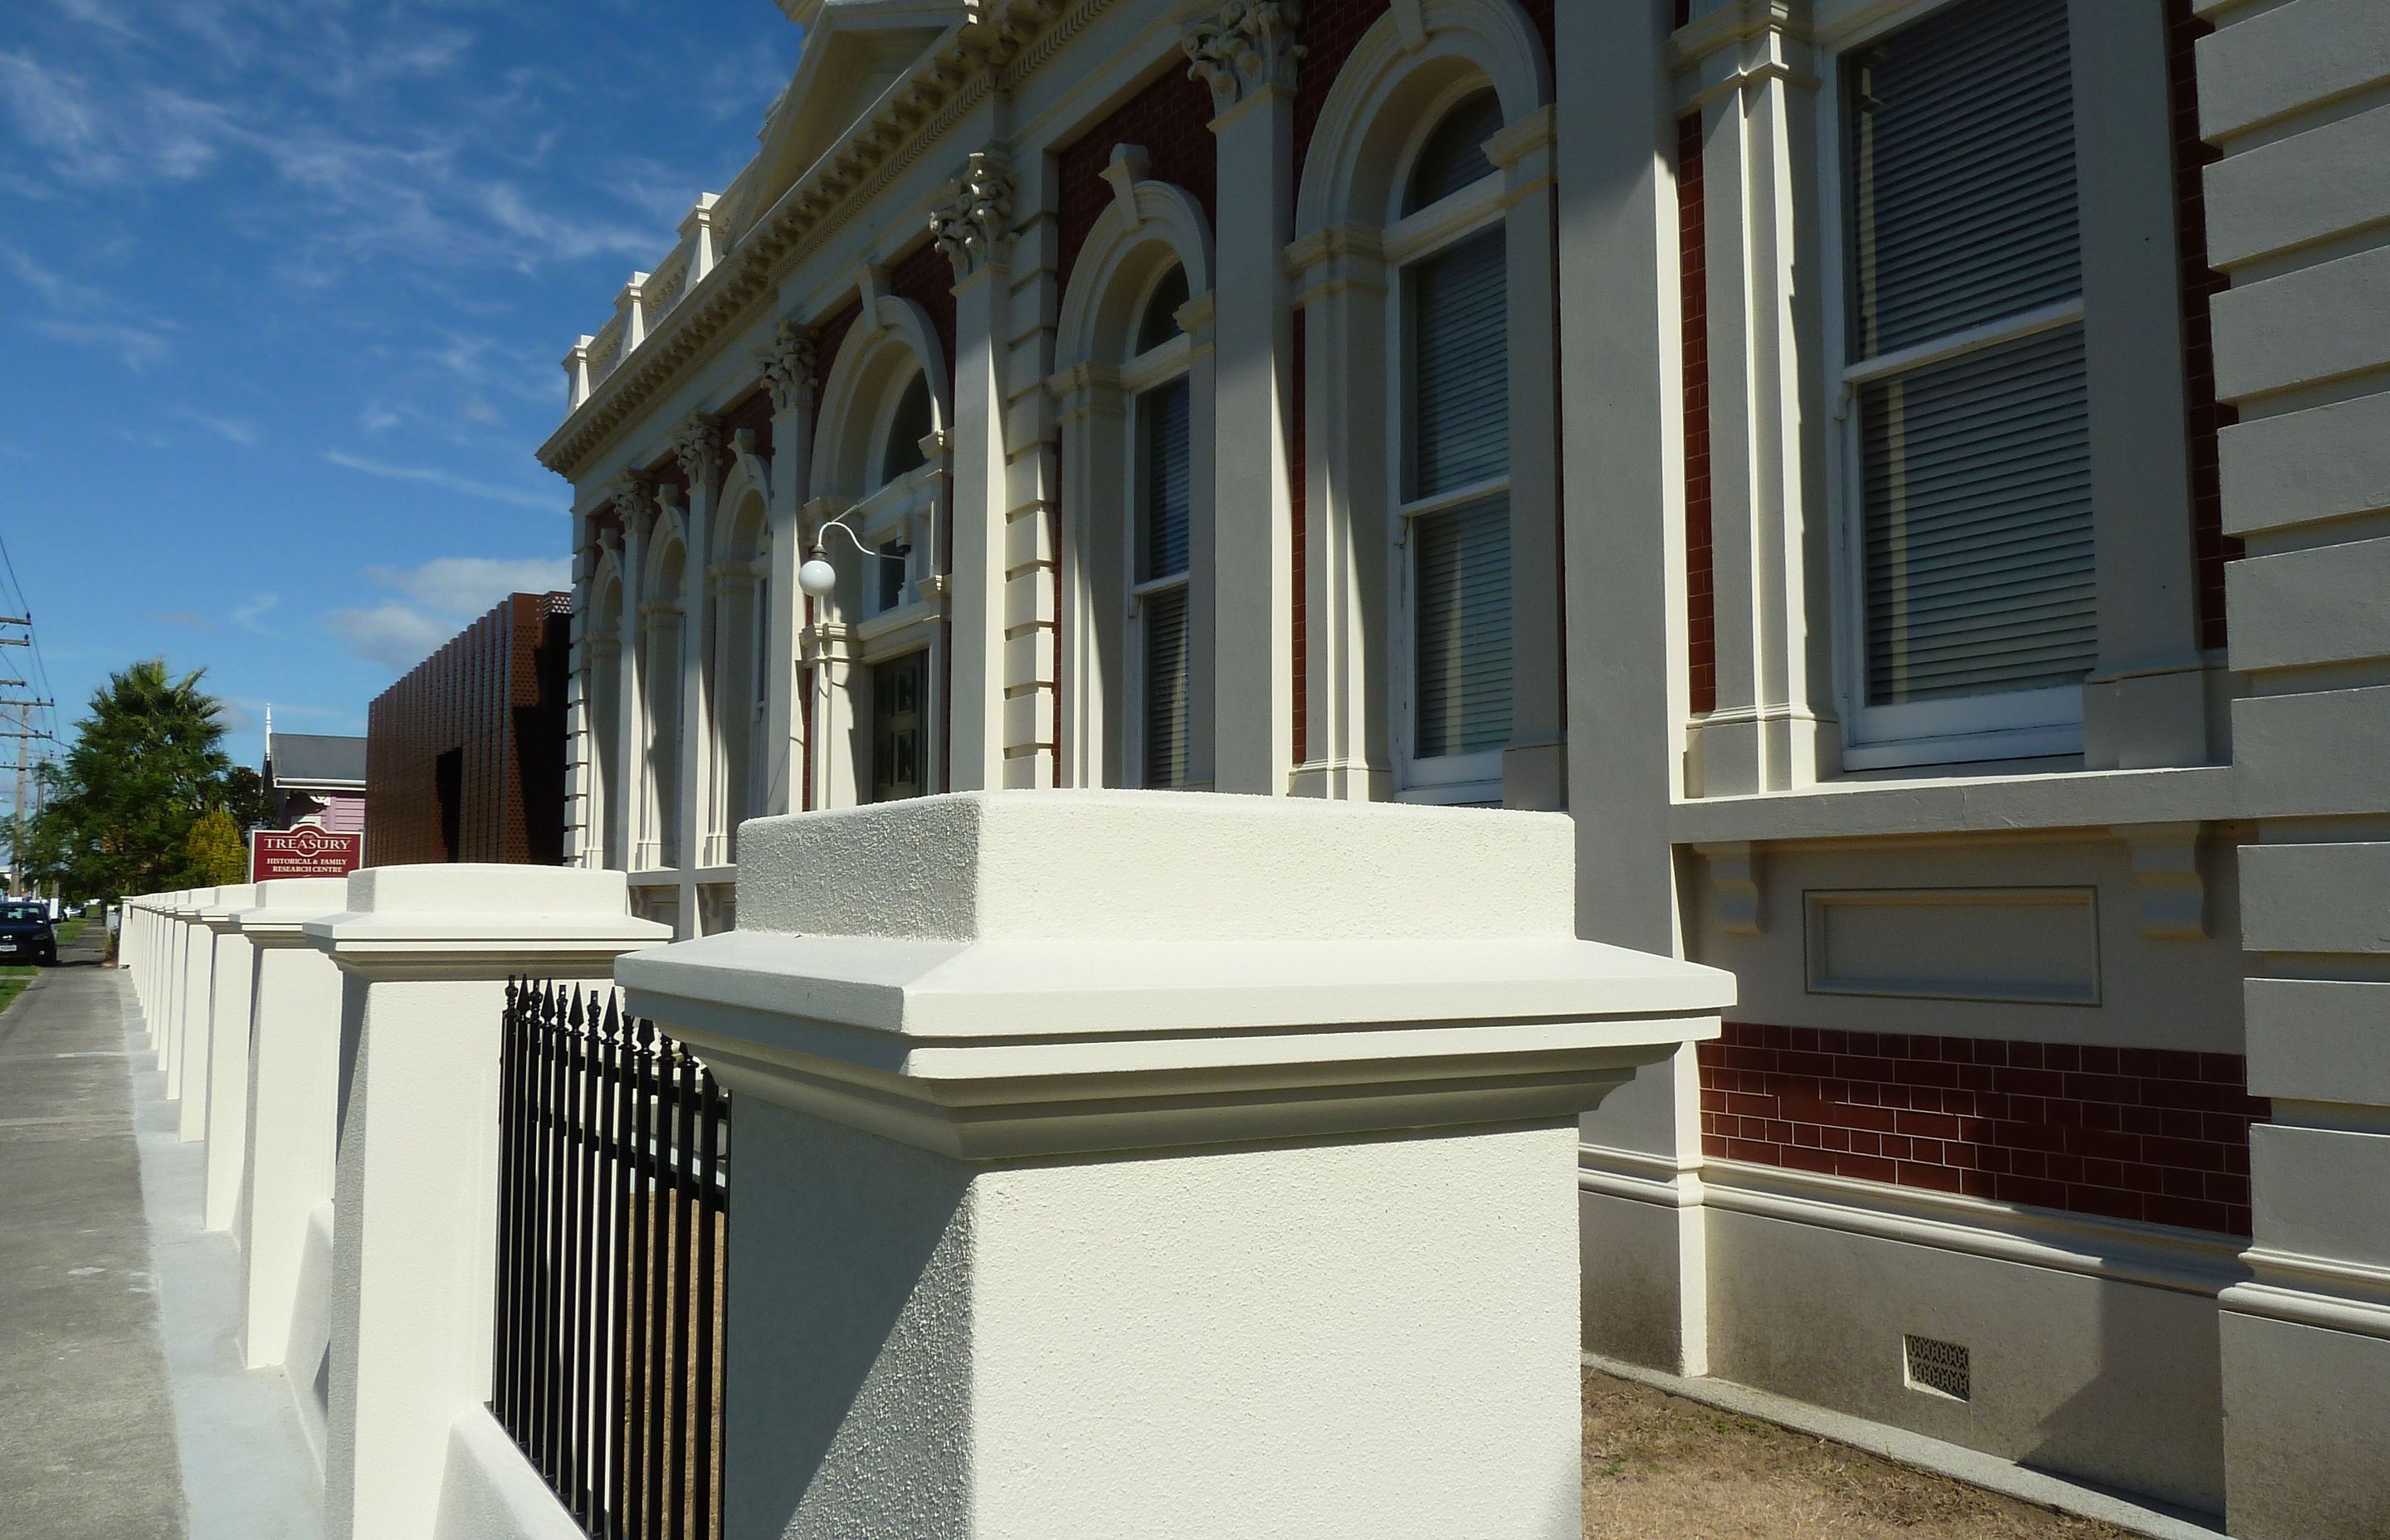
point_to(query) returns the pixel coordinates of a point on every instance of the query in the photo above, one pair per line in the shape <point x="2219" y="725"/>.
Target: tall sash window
<point x="1969" y="461"/>
<point x="1160" y="528"/>
<point x="1454" y="471"/>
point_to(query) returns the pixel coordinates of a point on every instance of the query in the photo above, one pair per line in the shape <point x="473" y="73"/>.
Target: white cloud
<point x="469" y="584"/>
<point x="138" y="347"/>
<point x="86" y="315"/>
<point x="432" y="602"/>
<point x="248" y="615"/>
<point x="446" y="479"/>
<point x="388" y="633"/>
<point x="231" y="429"/>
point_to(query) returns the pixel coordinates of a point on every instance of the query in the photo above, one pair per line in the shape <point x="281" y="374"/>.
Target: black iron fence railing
<point x="613" y="1192"/>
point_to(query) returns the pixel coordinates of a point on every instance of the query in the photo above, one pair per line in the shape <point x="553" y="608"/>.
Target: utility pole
<point x="24" y="735"/>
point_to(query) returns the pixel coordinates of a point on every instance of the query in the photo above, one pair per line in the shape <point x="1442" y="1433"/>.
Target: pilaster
<point x="1341" y="283"/>
<point x="789" y="363"/>
<point x="2145" y="703"/>
<point x="1248" y="53"/>
<point x="989" y="606"/>
<point x="1775" y="726"/>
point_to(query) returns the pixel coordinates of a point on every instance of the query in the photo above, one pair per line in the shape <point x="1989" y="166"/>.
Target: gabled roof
<point x="297" y="761"/>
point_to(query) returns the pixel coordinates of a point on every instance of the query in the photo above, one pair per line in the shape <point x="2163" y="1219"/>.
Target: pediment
<point x="855" y="51"/>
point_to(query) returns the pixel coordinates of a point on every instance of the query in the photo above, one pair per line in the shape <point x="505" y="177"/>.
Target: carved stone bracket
<point x="787" y="361"/>
<point x="1734" y="886"/>
<point x="698" y="443"/>
<point x="971" y="229"/>
<point x="2166" y="869"/>
<point x="1243" y="47"/>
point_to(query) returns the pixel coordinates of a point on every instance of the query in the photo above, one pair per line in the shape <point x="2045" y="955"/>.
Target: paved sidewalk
<point x="124" y="1414"/>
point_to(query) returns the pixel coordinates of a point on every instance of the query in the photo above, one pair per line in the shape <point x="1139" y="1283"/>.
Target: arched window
<point x="875" y="647"/>
<point x="1452" y="446"/>
<point x="1160" y="523"/>
<point x="602" y="719"/>
<point x="661" y="648"/>
<point x="738" y="673"/>
<point x="1133" y="389"/>
<point x="1453" y="159"/>
<point x="912" y="421"/>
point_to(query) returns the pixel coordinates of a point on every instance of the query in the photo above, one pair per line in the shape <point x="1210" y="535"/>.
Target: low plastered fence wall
<point x="1092" y="1150"/>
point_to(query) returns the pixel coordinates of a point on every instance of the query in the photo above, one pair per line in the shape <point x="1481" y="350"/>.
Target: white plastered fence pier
<point x="1096" y="1149"/>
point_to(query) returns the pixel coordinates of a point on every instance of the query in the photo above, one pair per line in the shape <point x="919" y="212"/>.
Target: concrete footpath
<point x="124" y="1414"/>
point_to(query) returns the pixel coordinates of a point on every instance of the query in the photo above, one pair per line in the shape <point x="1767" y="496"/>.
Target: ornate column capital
<point x="1244" y="46"/>
<point x="698" y="443"/>
<point x="635" y="499"/>
<point x="787" y="360"/>
<point x="972" y="227"/>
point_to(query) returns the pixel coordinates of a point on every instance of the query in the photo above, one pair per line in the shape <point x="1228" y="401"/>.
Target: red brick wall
<point x="2127" y="1133"/>
<point x="1171" y="121"/>
<point x="752" y="411"/>
<point x="495" y="693"/>
<point x="2200" y="284"/>
<point x="1331" y="29"/>
<point x="927" y="278"/>
<point x="829" y="334"/>
<point x="1692" y="273"/>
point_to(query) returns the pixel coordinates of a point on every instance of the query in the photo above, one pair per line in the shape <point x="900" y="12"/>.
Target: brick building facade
<point x="465" y="755"/>
<point x="1809" y="442"/>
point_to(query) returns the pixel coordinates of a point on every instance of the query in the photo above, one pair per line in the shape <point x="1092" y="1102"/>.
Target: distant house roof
<point x="299" y="760"/>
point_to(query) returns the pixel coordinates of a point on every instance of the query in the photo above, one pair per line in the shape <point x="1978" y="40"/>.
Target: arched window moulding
<point x="662" y="641"/>
<point x="738" y="667"/>
<point x="1148" y="229"/>
<point x="875" y="617"/>
<point x="1353" y="240"/>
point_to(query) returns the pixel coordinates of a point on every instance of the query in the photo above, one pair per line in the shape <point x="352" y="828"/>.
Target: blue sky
<point x="288" y="282"/>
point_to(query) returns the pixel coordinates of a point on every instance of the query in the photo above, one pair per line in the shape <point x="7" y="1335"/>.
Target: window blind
<point x="1461" y="637"/>
<point x="1961" y="141"/>
<point x="1163" y="616"/>
<point x="1461" y="367"/>
<point x="1977" y="512"/>
<point x="1162" y="532"/>
<point x="1454" y="156"/>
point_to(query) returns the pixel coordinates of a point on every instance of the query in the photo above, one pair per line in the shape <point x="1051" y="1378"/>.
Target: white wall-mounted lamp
<point x="818" y="577"/>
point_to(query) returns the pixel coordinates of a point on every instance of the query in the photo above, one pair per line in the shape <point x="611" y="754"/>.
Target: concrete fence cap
<point x="1162" y="865"/>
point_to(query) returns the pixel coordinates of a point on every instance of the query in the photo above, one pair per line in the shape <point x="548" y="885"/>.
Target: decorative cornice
<point x="972" y="227"/>
<point x="787" y="362"/>
<point x="698" y="445"/>
<point x="1004" y="43"/>
<point x="1245" y="47"/>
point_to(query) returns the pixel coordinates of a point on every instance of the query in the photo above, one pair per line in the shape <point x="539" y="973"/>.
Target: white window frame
<point x="2011" y="726"/>
<point x="1410" y="239"/>
<point x="903" y="511"/>
<point x="1164" y="364"/>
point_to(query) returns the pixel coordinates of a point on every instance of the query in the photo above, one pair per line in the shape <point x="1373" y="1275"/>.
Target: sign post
<point x="302" y="852"/>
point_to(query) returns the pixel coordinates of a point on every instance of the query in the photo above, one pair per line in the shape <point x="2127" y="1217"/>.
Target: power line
<point x="41" y="666"/>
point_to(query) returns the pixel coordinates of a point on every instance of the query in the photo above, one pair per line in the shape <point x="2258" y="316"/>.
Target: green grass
<point x="13" y="980"/>
<point x="69" y="928"/>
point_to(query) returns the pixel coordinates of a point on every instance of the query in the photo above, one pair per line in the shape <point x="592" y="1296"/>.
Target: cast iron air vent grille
<point x="1936" y="1368"/>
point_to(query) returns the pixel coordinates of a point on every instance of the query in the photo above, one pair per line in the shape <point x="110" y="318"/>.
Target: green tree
<point x="148" y="761"/>
<point x="214" y="847"/>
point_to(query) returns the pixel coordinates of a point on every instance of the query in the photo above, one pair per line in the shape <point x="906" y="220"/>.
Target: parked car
<point x="26" y="934"/>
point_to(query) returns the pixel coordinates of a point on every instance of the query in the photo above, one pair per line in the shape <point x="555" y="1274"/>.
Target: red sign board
<point x="303" y="852"/>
